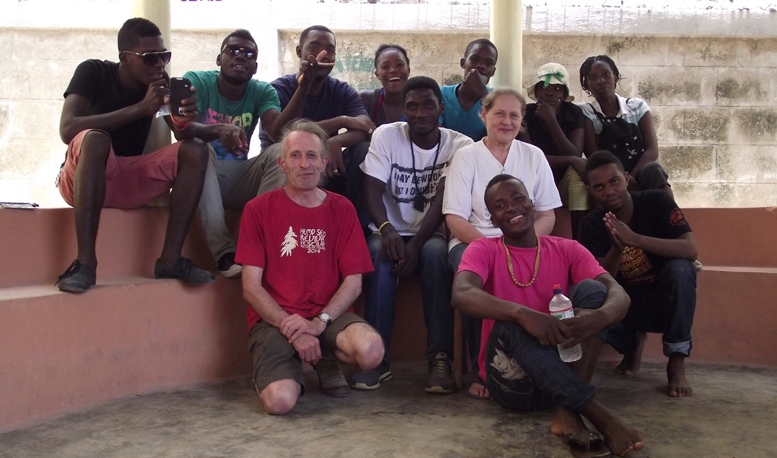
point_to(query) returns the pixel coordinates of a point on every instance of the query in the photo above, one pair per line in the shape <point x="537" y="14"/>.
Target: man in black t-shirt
<point x="105" y="121"/>
<point x="644" y="241"/>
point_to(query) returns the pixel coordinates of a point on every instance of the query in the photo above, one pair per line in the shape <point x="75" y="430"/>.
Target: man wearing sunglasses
<point x="231" y="102"/>
<point x="105" y="121"/>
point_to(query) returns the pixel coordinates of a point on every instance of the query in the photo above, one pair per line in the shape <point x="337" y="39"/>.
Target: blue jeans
<point x="666" y="306"/>
<point x="436" y="281"/>
<point x="522" y="374"/>
<point x="470" y="326"/>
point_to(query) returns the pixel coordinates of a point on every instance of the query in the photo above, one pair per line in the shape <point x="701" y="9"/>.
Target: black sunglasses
<point x="151" y="58"/>
<point x="234" y="51"/>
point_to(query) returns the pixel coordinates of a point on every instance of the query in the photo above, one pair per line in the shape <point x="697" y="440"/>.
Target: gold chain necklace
<point x="510" y="264"/>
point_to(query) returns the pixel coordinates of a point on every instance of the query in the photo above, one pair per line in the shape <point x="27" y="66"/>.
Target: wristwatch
<point x="323" y="316"/>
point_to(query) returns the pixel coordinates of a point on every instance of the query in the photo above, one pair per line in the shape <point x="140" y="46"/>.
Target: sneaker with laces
<point x="440" y="377"/>
<point x="331" y="380"/>
<point x="78" y="278"/>
<point x="228" y="267"/>
<point x="370" y="380"/>
<point x="184" y="270"/>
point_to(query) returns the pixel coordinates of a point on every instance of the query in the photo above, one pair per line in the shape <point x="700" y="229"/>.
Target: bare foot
<point x="675" y="372"/>
<point x="478" y="391"/>
<point x="567" y="422"/>
<point x="620" y="438"/>
<point x="631" y="363"/>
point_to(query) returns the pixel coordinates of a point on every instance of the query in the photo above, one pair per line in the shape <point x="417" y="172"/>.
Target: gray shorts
<point x="276" y="359"/>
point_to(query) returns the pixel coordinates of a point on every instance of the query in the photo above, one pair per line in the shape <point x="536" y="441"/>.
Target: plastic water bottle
<point x="561" y="308"/>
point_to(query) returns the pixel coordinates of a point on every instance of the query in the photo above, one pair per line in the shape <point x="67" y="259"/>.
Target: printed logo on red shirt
<point x="677" y="218"/>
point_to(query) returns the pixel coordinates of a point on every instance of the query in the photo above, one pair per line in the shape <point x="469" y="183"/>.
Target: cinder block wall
<point x="713" y="98"/>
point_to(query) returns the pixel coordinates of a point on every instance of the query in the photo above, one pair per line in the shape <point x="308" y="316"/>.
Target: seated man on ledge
<point x="303" y="256"/>
<point x="231" y="102"/>
<point x="519" y="360"/>
<point x="644" y="241"/>
<point x="404" y="186"/>
<point x="105" y="121"/>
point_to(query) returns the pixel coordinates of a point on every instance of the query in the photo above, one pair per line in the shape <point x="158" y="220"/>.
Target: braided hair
<point x="586" y="68"/>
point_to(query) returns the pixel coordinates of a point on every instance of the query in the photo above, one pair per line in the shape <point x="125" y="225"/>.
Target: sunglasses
<point x="235" y="51"/>
<point x="151" y="58"/>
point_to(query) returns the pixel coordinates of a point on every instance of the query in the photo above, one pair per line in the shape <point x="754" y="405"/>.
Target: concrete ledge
<point x="734" y="318"/>
<point x="132" y="334"/>
<point x="60" y="351"/>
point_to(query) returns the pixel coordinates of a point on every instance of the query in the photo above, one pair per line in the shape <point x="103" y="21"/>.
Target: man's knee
<point x="679" y="269"/>
<point x="365" y="342"/>
<point x="435" y="248"/>
<point x="95" y="146"/>
<point x="278" y="398"/>
<point x="588" y="294"/>
<point x="194" y="150"/>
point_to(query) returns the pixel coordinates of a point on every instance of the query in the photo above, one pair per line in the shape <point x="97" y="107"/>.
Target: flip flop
<point x="478" y="381"/>
<point x="586" y="445"/>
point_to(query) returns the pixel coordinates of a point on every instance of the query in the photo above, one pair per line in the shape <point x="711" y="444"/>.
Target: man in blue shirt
<point x="462" y="101"/>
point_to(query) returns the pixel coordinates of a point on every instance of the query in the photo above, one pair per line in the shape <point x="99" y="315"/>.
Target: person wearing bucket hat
<point x="556" y="126"/>
<point x="623" y="126"/>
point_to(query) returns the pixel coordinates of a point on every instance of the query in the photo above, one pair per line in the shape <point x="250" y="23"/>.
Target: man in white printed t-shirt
<point x="404" y="184"/>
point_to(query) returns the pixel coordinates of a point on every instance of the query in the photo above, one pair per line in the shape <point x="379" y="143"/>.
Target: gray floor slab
<point x="731" y="414"/>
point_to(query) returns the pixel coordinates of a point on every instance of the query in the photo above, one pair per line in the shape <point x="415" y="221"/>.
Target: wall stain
<point x="452" y="79"/>
<point x="731" y="88"/>
<point x="683" y="90"/>
<point x="686" y="162"/>
<point x="699" y="125"/>
<point x="712" y="53"/>
<point x="758" y="123"/>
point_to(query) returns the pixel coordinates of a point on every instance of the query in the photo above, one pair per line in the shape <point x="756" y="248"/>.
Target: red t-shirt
<point x="305" y="252"/>
<point x="562" y="262"/>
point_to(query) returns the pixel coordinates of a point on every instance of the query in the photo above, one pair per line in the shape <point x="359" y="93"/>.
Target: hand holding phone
<point x="180" y="89"/>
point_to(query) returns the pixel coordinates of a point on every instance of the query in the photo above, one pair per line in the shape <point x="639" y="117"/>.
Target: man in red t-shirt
<point x="303" y="256"/>
<point x="508" y="281"/>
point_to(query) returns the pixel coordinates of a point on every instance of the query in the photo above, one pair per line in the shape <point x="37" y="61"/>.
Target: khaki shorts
<point x="573" y="191"/>
<point x="276" y="359"/>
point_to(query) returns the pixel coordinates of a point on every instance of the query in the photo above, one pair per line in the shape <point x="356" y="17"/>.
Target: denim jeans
<point x="522" y="374"/>
<point x="436" y="281"/>
<point x="666" y="306"/>
<point x="470" y="326"/>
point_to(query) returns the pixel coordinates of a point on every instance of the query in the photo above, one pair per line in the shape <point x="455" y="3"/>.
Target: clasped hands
<point x="549" y="330"/>
<point x="303" y="334"/>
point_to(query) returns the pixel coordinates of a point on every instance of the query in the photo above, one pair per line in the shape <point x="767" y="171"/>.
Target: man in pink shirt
<point x="508" y="281"/>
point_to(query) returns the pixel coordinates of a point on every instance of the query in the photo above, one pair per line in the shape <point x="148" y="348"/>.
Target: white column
<point x="158" y="12"/>
<point x="507" y="35"/>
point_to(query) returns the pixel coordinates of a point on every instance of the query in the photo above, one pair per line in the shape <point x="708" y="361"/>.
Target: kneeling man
<point x="303" y="256"/>
<point x="644" y="241"/>
<point x="508" y="281"/>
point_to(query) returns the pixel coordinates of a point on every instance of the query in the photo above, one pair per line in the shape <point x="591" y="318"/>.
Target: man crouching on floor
<point x="303" y="256"/>
<point x="509" y="282"/>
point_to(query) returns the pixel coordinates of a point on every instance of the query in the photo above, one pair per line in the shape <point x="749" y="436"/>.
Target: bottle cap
<point x="556" y="289"/>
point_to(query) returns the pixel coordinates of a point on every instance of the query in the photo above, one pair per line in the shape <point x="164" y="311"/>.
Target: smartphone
<point x="180" y="88"/>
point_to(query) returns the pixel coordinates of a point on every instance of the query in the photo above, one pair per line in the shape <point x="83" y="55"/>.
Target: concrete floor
<point x="731" y="414"/>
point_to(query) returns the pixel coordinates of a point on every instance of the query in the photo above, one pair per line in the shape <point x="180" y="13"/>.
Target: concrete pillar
<point x="507" y="35"/>
<point x="158" y="12"/>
